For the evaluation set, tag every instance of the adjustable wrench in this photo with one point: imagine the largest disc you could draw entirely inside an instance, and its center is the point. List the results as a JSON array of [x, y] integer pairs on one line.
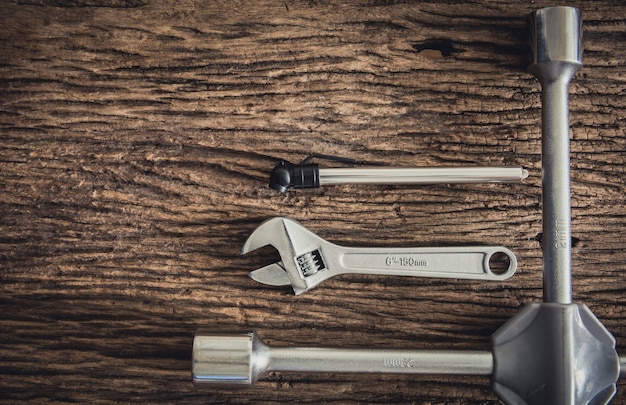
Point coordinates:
[[307, 259]]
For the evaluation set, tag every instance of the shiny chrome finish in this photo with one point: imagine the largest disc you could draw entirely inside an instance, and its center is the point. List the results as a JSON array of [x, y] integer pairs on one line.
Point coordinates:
[[556, 42], [242, 358], [423, 175], [307, 259], [553, 353]]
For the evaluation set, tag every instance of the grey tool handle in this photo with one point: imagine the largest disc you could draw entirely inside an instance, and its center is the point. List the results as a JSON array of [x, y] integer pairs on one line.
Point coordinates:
[[471, 262], [421, 175], [309, 175]]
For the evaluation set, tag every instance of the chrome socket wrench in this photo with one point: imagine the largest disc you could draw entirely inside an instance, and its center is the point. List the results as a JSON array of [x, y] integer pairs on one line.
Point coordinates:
[[241, 358]]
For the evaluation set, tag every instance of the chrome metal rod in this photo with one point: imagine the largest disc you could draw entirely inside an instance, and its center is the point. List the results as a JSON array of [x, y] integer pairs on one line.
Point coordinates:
[[423, 175], [380, 361], [557, 55]]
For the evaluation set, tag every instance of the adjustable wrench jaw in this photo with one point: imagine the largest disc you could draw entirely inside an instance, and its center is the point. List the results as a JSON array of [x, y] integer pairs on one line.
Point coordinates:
[[303, 263]]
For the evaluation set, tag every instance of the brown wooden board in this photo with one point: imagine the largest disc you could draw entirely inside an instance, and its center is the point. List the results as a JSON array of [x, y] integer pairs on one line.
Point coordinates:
[[136, 141]]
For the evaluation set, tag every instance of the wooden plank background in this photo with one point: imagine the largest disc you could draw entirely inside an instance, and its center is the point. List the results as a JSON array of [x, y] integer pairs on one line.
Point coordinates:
[[136, 141]]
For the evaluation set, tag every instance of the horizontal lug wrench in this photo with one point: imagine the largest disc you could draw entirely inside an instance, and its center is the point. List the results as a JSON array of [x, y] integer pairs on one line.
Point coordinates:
[[242, 358], [307, 259]]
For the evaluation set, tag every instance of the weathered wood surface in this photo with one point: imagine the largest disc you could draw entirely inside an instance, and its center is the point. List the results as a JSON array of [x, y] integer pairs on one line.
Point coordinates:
[[136, 142]]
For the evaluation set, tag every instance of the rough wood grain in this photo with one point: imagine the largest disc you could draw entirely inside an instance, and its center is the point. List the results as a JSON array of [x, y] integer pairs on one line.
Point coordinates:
[[136, 139]]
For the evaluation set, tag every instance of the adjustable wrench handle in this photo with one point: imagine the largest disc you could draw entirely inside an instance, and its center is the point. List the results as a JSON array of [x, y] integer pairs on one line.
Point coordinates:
[[471, 262]]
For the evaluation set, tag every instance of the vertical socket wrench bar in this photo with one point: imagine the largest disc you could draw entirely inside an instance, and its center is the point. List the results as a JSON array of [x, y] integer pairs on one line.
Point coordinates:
[[242, 358], [556, 42], [555, 352]]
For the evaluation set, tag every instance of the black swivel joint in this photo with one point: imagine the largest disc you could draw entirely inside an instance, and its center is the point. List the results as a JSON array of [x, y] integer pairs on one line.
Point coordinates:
[[286, 175]]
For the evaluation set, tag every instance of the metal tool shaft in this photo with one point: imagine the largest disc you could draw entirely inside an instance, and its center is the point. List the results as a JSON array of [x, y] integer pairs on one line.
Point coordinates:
[[306, 175], [557, 55], [421, 175], [380, 361], [463, 262], [557, 260], [242, 358]]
